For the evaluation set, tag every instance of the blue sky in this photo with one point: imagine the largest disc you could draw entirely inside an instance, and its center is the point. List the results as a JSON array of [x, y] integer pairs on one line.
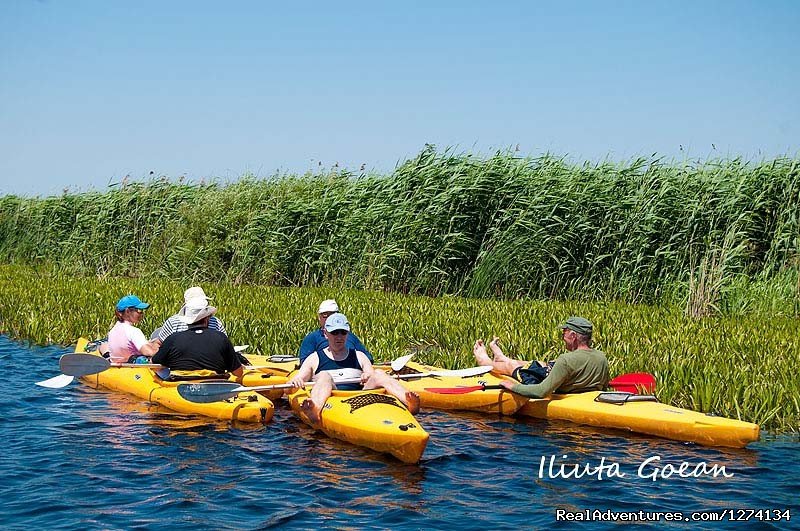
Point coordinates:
[[92, 91]]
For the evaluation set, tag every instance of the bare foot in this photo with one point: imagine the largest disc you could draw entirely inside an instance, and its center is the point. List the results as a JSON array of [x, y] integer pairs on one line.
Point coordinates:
[[412, 402], [479, 350], [310, 409], [498, 354]]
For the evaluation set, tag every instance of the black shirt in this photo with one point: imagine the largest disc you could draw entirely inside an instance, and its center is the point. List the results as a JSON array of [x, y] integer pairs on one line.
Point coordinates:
[[198, 349]]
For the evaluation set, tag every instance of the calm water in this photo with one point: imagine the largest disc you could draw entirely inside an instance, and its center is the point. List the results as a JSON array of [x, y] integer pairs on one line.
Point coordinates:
[[78, 458]]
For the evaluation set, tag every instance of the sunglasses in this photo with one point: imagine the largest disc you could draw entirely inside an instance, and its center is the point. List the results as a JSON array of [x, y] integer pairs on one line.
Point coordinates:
[[137, 310], [338, 332]]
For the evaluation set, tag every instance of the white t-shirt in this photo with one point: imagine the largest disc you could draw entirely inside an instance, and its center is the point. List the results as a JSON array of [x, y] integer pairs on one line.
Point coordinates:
[[125, 340]]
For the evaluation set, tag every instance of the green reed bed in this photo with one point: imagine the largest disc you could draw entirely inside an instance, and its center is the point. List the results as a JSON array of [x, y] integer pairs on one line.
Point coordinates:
[[700, 234], [737, 367]]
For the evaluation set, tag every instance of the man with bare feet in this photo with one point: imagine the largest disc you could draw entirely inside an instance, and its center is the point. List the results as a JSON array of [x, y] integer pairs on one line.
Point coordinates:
[[580, 369], [337, 361]]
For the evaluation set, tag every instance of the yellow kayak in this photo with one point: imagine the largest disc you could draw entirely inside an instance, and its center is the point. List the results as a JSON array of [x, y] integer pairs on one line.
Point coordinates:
[[145, 384], [498, 401], [373, 419], [267, 371], [651, 418]]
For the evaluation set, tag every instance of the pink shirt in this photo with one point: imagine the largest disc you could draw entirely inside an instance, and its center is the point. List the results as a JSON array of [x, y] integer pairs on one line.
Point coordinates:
[[125, 340]]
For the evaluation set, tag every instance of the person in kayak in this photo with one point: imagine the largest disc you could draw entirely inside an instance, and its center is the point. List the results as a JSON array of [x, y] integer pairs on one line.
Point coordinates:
[[316, 340], [126, 342], [199, 347], [175, 324], [580, 369], [339, 360]]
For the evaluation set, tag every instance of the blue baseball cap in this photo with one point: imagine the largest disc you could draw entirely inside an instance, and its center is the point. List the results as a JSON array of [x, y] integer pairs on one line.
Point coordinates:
[[337, 321], [131, 301]]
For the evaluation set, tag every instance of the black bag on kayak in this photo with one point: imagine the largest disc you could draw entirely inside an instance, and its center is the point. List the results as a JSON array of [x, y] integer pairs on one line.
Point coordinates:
[[533, 374]]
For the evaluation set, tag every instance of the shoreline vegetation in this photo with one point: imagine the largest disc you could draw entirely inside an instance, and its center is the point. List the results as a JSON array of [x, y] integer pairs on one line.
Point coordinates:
[[717, 236], [738, 367], [689, 271]]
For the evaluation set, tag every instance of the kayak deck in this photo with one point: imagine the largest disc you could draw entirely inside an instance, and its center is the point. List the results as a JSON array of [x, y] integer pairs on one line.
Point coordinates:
[[495, 401], [373, 419]]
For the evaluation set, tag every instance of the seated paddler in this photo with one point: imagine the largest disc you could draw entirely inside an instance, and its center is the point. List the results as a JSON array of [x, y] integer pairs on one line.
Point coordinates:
[[337, 362], [580, 369], [199, 348]]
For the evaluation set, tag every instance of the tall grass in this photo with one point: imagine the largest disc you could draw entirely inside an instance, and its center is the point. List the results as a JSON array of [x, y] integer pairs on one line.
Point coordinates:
[[737, 367], [701, 234]]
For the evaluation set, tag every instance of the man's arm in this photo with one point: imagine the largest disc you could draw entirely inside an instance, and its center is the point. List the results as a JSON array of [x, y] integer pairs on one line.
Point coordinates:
[[309, 345], [162, 355], [306, 371], [230, 355], [560, 373]]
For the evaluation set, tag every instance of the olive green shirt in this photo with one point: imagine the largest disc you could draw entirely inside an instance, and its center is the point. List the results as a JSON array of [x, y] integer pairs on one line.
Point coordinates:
[[574, 372]]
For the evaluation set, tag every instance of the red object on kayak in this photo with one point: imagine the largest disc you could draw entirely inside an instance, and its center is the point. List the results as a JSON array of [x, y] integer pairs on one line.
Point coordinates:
[[635, 382]]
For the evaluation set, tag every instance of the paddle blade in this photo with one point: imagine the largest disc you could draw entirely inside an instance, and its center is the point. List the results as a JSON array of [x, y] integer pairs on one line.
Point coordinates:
[[635, 382], [241, 348], [204, 393], [57, 382], [399, 363], [82, 364]]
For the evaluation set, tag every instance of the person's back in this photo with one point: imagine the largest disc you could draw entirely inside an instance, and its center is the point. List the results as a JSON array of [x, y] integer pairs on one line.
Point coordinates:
[[588, 371], [197, 349]]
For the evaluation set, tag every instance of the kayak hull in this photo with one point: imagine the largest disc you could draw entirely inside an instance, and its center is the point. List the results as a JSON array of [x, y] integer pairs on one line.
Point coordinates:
[[372, 419], [650, 418]]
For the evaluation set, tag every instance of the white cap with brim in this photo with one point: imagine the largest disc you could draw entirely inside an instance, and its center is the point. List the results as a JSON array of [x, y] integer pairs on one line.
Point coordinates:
[[196, 312], [193, 293], [337, 321], [328, 305]]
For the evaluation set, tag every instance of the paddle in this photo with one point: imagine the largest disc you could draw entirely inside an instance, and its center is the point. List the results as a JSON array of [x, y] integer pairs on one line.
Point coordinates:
[[79, 364], [462, 390], [82, 364], [622, 383], [57, 382], [204, 392], [398, 363]]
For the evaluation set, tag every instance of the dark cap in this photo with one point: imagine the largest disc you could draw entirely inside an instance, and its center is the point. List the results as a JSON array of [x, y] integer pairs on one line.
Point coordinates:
[[579, 325]]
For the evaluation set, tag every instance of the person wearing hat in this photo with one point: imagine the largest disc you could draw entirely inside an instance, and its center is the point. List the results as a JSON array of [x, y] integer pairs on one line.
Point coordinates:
[[580, 369], [338, 361], [198, 347], [125, 341], [316, 340], [174, 323]]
